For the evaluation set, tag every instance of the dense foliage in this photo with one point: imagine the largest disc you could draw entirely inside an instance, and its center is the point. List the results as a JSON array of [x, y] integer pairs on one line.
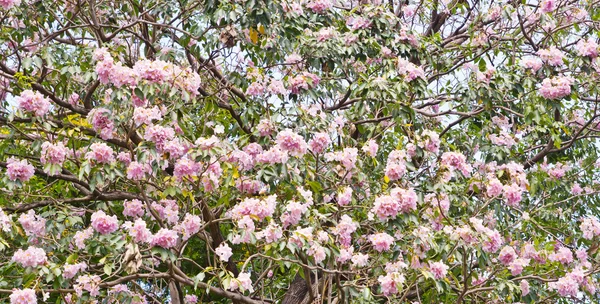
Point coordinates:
[[287, 151]]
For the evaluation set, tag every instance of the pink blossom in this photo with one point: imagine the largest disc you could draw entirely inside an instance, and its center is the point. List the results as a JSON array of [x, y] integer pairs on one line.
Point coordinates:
[[159, 135], [345, 255], [190, 225], [293, 213], [156, 71], [255, 89], [185, 168], [552, 56], [524, 287], [19, 169], [100, 119], [5, 221], [347, 157], [191, 299], [27, 295], [224, 252], [133, 208], [146, 115], [165, 238], [590, 227], [344, 196], [101, 153], [82, 235], [360, 260], [391, 283], [270, 234], [138, 231], [576, 189], [32, 257], [548, 6], [317, 252], [355, 23], [89, 283], [407, 199], [54, 154], [512, 194], [409, 70], [439, 269], [319, 143], [33, 102], [507, 255], [70, 270], [516, 266], [562, 255], [386, 207], [556, 87], [260, 209], [370, 148], [291, 142], [243, 283], [319, 6], [457, 161], [276, 87], [103, 223], [381, 241], [33, 224], [534, 63], [566, 286], [494, 188], [344, 229], [587, 48], [138, 171]]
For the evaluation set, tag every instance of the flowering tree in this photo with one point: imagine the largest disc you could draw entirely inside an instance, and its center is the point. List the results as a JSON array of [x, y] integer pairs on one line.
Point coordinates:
[[299, 151]]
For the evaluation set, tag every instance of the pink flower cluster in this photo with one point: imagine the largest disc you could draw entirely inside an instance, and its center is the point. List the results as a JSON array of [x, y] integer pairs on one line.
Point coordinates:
[[19, 170], [556, 87], [587, 48], [569, 284], [292, 143], [534, 63], [381, 241], [391, 283], [101, 153], [344, 196], [243, 283], [439, 269], [103, 223], [89, 283], [319, 143], [293, 213], [303, 81], [590, 227], [156, 71], [33, 224], [552, 56], [190, 225], [33, 102], [54, 154], [138, 171], [344, 230], [430, 141], [399, 200], [133, 208], [456, 161], [396, 165], [146, 116], [22, 296], [138, 231], [320, 6], [409, 70], [32, 257], [347, 157], [70, 270], [159, 135], [165, 238], [82, 235], [370, 148], [257, 208], [100, 120], [224, 252]]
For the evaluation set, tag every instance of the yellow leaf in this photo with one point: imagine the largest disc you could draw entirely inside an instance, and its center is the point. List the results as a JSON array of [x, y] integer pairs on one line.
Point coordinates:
[[261, 29], [253, 36], [78, 121], [386, 179]]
